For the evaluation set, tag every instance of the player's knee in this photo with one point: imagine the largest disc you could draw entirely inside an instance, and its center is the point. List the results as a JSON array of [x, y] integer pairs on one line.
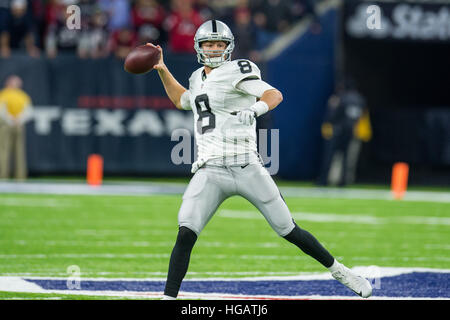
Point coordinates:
[[186, 237], [277, 214], [285, 229], [292, 235], [282, 225], [271, 197]]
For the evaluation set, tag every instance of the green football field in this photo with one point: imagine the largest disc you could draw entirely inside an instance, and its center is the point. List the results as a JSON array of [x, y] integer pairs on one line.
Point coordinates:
[[132, 236]]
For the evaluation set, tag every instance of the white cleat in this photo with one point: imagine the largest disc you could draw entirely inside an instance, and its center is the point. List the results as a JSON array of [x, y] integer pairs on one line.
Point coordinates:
[[354, 282], [168, 298]]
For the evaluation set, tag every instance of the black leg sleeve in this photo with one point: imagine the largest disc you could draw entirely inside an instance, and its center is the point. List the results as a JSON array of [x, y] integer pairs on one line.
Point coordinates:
[[309, 245], [179, 260]]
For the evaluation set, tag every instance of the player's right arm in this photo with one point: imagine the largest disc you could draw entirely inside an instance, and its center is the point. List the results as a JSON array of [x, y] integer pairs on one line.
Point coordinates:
[[175, 91]]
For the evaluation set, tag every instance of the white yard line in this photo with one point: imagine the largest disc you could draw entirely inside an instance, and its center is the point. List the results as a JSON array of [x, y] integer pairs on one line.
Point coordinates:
[[145, 256], [84, 189], [153, 188], [354, 193], [84, 255], [17, 284], [339, 218], [144, 244]]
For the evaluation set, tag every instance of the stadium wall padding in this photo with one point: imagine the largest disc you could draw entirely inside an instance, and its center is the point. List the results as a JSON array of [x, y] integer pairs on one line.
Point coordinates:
[[304, 73], [84, 106]]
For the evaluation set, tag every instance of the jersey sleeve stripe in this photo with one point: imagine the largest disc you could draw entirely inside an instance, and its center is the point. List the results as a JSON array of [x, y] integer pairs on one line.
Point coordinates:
[[250, 78]]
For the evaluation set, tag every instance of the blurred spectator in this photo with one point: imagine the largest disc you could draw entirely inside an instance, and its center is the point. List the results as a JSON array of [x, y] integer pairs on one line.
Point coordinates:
[[52, 11], [33, 24], [272, 15], [245, 35], [362, 133], [16, 28], [220, 9], [59, 38], [5, 50], [38, 12], [181, 25], [345, 109], [147, 12], [206, 11], [94, 39], [122, 42], [118, 13], [148, 33], [87, 9], [148, 17], [15, 110]]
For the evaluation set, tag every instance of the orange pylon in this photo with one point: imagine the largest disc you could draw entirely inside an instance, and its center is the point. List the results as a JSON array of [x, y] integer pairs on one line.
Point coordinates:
[[94, 170], [399, 182]]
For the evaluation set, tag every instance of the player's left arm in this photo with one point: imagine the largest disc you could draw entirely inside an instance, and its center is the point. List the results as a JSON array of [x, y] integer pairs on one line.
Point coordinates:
[[272, 97], [269, 98], [248, 81]]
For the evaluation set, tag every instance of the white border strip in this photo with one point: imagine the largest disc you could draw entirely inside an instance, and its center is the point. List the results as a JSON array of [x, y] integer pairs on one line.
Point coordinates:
[[18, 284], [155, 188]]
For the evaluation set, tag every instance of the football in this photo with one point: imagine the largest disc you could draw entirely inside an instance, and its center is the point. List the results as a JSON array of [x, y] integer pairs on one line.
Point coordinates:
[[142, 59]]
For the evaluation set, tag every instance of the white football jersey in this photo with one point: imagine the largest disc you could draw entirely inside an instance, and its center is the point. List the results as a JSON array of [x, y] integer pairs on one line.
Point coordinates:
[[213, 99]]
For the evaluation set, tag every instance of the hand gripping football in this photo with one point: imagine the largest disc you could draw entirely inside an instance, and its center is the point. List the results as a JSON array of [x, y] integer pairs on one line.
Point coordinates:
[[142, 59]]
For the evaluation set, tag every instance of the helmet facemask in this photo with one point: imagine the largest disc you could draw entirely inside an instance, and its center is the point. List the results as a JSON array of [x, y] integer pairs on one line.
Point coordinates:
[[218, 56]]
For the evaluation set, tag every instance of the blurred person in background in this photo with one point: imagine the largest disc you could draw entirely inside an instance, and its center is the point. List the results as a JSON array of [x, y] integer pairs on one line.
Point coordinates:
[[38, 13], [147, 17], [52, 11], [58, 37], [147, 33], [15, 110], [272, 15], [362, 133], [87, 10], [181, 25], [94, 39], [16, 28], [118, 11], [345, 109], [205, 9], [5, 50], [122, 42], [245, 35]]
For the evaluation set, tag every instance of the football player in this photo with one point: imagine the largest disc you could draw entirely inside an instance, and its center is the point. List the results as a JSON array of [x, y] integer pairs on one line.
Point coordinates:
[[226, 96]]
